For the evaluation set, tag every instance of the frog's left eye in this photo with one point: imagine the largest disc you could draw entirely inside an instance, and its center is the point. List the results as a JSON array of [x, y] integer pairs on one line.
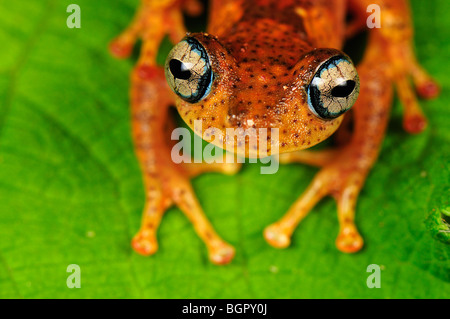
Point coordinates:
[[334, 88], [188, 70]]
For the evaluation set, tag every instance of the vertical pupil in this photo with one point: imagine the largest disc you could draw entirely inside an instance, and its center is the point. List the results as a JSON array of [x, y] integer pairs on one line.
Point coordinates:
[[344, 89], [179, 70]]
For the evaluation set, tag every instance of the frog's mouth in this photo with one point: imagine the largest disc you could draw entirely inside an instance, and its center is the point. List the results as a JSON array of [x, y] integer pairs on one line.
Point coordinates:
[[250, 134], [245, 142]]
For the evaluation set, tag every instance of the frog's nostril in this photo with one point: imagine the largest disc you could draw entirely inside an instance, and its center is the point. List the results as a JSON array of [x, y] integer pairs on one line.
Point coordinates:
[[344, 89]]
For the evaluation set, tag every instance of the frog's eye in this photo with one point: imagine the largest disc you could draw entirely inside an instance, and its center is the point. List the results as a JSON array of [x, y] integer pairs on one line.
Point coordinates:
[[334, 88], [188, 70]]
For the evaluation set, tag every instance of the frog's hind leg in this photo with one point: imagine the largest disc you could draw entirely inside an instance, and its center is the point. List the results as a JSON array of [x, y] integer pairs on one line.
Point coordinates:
[[394, 40], [152, 21], [343, 170], [122, 45]]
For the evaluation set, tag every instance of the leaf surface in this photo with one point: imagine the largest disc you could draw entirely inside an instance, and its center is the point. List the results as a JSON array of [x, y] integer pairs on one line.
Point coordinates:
[[71, 191]]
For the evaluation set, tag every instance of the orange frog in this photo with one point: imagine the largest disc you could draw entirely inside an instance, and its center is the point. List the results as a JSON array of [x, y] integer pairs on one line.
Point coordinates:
[[269, 64]]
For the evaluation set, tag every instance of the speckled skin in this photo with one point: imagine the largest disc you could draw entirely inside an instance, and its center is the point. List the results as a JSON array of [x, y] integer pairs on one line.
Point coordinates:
[[265, 53]]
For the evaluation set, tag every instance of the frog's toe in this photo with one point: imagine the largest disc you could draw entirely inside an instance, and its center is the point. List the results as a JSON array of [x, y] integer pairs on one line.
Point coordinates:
[[349, 240], [414, 121], [221, 253], [120, 49], [276, 236], [428, 89], [415, 124], [144, 244]]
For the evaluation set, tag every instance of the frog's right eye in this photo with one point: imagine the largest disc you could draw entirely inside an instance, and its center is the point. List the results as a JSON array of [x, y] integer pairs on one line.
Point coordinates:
[[188, 70]]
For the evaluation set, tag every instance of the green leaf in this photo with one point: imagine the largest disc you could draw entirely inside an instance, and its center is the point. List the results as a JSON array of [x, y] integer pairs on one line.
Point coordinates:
[[71, 190], [438, 224]]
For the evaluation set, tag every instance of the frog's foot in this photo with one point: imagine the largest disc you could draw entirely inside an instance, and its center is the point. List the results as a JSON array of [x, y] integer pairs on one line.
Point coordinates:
[[404, 67], [414, 121], [145, 242], [336, 180], [220, 252], [193, 7], [153, 20], [122, 46], [176, 189]]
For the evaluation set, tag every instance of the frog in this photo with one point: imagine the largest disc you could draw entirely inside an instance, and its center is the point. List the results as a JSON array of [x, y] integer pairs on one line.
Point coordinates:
[[270, 64]]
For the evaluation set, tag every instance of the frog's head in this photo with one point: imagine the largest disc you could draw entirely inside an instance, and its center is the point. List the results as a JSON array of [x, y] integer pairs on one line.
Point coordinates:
[[305, 101]]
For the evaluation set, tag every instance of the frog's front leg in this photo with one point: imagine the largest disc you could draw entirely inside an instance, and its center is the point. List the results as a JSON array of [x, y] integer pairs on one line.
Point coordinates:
[[166, 183], [389, 61], [343, 170]]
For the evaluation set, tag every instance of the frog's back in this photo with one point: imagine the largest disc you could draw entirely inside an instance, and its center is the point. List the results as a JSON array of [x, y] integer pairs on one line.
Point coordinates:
[[284, 26]]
